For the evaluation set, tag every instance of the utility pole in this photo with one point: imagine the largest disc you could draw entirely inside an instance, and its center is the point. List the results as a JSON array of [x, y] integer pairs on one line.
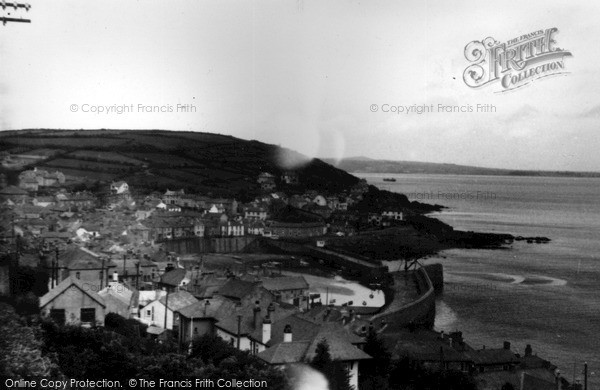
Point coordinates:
[[137, 276], [585, 376], [55, 268], [166, 306], [239, 330], [8, 18], [124, 267], [102, 275]]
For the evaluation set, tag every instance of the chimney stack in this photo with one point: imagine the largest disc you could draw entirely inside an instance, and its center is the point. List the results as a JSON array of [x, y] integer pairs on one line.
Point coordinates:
[[266, 330], [115, 276], [256, 314], [287, 334], [528, 350]]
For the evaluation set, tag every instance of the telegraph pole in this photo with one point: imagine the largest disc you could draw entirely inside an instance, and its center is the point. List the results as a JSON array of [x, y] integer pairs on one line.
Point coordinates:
[[15, 6]]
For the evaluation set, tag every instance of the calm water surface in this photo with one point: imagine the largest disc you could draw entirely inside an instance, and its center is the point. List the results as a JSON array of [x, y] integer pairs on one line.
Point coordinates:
[[546, 295]]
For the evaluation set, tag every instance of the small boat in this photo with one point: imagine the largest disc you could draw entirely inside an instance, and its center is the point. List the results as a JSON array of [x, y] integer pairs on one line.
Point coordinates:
[[389, 179]]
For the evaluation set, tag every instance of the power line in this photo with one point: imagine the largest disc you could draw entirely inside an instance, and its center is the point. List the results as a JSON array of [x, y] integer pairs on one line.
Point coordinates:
[[15, 6]]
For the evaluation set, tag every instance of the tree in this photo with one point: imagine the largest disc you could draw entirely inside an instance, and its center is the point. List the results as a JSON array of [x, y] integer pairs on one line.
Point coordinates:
[[336, 372], [508, 386], [374, 373], [20, 353], [322, 360]]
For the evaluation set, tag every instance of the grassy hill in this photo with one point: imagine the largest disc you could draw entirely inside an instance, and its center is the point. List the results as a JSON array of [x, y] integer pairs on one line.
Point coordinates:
[[148, 160]]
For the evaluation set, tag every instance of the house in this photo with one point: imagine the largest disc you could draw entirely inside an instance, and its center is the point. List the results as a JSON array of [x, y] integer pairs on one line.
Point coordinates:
[[297, 201], [532, 373], [43, 178], [374, 219], [119, 299], [430, 349], [293, 222], [135, 271], [161, 312], [172, 197], [255, 212], [140, 232], [199, 319], [320, 200], [324, 211], [30, 212], [255, 227], [73, 302], [81, 200], [288, 289], [494, 359], [266, 181], [290, 177], [43, 201], [232, 229], [294, 340], [396, 215], [15, 194], [119, 187], [174, 279], [80, 263], [264, 177]]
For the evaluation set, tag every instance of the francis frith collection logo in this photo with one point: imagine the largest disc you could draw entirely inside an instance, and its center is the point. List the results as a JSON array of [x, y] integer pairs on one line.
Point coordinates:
[[516, 62]]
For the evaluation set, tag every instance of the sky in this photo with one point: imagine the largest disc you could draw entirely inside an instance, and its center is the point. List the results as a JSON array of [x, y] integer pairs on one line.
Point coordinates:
[[319, 77]]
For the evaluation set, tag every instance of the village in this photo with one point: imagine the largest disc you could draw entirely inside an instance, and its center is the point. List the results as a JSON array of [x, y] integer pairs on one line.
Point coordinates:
[[185, 265]]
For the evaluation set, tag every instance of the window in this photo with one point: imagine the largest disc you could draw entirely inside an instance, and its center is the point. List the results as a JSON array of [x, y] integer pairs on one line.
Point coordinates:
[[232, 341], [195, 330], [58, 316], [78, 275], [88, 315], [148, 313]]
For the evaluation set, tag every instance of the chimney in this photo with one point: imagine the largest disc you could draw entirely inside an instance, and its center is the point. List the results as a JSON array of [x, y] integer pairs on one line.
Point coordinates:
[[256, 313], [507, 345], [206, 305], [266, 330], [528, 350], [287, 334], [270, 309], [115, 277]]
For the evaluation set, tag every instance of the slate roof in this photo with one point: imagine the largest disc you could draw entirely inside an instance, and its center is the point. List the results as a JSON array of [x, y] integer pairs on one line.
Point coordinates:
[[118, 291], [339, 347], [229, 310], [423, 345], [178, 300], [283, 283], [493, 356], [66, 284], [303, 329], [201, 310], [77, 257], [306, 335], [294, 215], [12, 190], [238, 289], [285, 353], [173, 277]]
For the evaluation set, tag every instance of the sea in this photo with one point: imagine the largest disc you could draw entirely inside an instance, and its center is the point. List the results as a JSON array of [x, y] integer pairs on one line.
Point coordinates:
[[545, 295]]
